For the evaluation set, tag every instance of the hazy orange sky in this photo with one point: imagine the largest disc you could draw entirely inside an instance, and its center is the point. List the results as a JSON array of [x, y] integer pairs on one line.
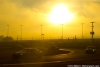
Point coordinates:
[[32, 13]]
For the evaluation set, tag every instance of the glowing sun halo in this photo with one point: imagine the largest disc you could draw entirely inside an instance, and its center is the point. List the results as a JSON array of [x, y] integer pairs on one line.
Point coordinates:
[[60, 15]]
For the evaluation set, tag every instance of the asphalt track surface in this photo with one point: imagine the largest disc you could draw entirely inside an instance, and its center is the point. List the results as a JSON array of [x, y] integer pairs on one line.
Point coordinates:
[[47, 58], [74, 55]]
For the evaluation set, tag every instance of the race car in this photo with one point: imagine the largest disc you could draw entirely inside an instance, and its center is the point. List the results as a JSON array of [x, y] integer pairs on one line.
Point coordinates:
[[32, 53], [90, 50]]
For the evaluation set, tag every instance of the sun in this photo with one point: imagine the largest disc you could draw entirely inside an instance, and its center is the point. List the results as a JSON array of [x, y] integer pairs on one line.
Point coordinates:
[[60, 14]]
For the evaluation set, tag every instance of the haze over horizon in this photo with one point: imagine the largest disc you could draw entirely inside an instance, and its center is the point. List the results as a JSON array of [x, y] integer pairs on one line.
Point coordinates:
[[32, 13]]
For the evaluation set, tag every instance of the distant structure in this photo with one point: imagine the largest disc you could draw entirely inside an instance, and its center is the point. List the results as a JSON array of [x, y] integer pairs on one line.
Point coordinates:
[[82, 30], [8, 31], [68, 39], [21, 31], [62, 30], [43, 36], [92, 33], [75, 38], [17, 38], [41, 31]]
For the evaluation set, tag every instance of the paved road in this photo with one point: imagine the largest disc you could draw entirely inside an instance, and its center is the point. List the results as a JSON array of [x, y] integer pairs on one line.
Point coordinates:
[[76, 54]]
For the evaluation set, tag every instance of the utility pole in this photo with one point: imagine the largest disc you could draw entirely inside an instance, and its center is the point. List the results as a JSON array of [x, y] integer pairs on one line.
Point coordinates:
[[92, 33], [41, 31], [8, 31], [82, 30], [21, 31]]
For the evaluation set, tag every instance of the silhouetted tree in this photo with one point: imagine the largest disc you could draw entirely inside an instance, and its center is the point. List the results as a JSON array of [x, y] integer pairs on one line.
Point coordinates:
[[7, 39], [1, 37]]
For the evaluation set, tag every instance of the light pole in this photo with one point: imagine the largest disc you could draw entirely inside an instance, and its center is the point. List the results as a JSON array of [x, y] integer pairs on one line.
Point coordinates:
[[21, 31], [92, 33], [8, 31], [17, 38], [62, 30], [43, 36], [82, 30], [41, 31]]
